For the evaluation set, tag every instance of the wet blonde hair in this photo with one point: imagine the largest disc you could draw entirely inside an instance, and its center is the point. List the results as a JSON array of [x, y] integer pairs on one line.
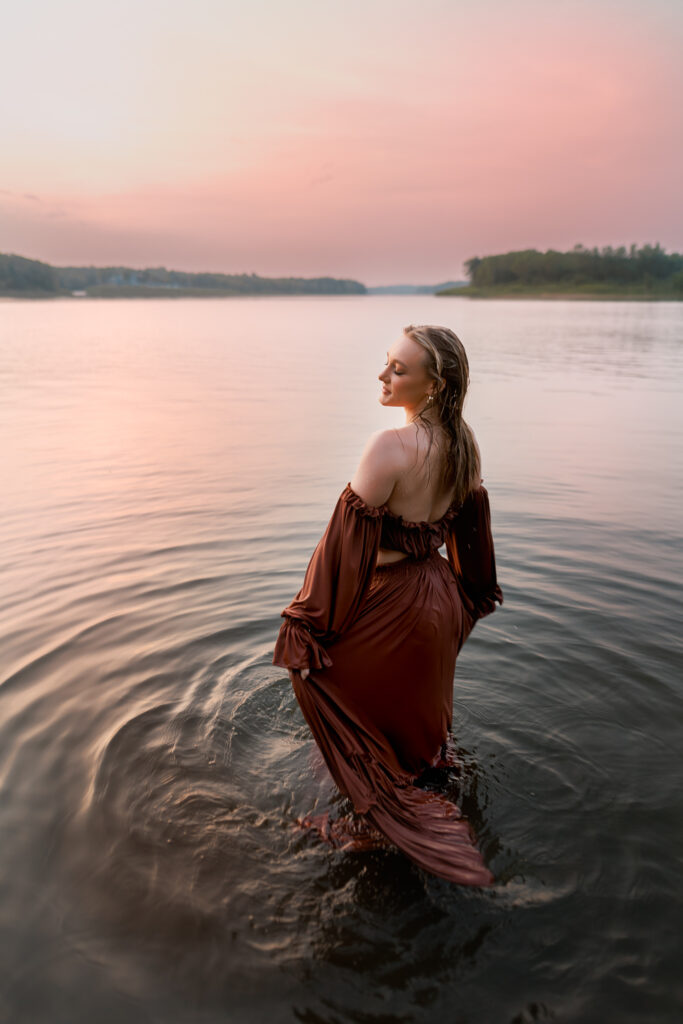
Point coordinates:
[[446, 363]]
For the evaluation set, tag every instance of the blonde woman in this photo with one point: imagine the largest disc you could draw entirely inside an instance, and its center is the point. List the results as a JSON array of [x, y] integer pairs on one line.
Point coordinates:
[[371, 639]]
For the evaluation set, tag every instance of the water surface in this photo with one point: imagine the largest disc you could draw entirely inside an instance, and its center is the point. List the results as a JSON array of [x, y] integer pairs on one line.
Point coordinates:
[[167, 470]]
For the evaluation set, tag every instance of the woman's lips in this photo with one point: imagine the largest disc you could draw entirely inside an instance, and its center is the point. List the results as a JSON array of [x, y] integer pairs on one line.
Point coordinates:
[[385, 391]]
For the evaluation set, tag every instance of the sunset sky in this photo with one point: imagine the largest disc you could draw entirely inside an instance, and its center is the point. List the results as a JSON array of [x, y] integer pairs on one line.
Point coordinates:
[[381, 140]]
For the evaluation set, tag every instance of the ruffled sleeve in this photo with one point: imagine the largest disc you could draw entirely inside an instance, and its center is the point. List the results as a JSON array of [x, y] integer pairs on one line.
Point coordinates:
[[469, 544], [335, 585]]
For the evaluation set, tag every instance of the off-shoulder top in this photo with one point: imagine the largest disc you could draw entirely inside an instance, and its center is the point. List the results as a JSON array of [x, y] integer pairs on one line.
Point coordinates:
[[416, 539], [341, 568]]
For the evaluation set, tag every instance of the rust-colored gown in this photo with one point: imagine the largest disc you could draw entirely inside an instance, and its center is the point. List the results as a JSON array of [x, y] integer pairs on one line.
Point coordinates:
[[381, 643]]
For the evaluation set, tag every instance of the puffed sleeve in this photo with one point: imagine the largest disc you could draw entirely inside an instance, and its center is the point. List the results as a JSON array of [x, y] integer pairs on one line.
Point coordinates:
[[469, 544], [335, 585]]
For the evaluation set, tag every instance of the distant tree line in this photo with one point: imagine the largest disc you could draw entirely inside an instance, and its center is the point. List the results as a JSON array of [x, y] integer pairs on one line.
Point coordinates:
[[645, 266], [20, 275]]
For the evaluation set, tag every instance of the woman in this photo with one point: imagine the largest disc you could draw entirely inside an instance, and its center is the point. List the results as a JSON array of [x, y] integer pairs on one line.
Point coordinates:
[[370, 641]]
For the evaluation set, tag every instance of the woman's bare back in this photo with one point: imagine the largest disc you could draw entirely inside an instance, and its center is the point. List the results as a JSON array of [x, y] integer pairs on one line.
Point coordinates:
[[418, 494], [400, 470]]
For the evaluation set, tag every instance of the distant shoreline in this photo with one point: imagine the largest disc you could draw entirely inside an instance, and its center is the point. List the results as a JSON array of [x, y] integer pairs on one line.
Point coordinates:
[[464, 293], [592, 294], [647, 274], [33, 279], [175, 293]]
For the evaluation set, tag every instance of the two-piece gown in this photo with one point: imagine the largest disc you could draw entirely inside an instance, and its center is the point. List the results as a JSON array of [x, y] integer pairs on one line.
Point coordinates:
[[381, 644]]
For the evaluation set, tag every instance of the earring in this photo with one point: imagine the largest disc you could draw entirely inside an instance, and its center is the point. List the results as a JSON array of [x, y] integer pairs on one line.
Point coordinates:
[[430, 398]]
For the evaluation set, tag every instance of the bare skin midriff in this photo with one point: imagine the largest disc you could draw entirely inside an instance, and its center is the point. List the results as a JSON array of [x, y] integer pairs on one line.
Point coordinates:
[[385, 556]]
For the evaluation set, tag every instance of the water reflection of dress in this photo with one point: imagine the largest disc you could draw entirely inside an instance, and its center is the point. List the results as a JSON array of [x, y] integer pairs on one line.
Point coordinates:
[[381, 644]]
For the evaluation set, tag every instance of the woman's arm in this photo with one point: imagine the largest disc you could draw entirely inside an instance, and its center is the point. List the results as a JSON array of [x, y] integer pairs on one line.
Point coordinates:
[[373, 481], [478, 482], [471, 555], [335, 585]]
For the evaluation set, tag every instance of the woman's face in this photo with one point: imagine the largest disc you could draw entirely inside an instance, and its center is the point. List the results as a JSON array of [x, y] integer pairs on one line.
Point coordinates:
[[404, 378]]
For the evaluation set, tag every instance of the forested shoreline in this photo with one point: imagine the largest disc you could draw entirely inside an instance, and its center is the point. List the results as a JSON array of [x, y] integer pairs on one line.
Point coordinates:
[[22, 277], [648, 272]]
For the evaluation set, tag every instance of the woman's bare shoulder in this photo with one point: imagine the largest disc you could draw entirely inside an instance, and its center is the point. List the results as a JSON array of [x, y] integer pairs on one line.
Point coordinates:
[[384, 444], [379, 467]]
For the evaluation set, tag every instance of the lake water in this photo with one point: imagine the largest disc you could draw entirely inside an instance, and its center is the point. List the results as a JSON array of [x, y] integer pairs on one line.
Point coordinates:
[[167, 469]]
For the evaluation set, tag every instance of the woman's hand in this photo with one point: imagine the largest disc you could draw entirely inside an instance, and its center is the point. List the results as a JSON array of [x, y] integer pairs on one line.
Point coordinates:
[[294, 672]]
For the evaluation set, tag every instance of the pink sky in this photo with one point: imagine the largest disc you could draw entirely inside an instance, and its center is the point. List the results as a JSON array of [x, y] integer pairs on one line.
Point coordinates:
[[385, 141]]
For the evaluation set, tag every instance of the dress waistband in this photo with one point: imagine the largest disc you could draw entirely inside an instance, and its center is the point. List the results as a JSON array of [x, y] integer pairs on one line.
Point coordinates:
[[407, 563]]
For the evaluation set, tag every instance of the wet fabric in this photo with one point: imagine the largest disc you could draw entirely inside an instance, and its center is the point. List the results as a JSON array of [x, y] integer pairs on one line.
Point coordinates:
[[381, 644]]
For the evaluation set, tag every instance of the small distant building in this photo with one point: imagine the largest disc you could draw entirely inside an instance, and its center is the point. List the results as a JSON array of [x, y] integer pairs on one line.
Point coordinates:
[[79, 293]]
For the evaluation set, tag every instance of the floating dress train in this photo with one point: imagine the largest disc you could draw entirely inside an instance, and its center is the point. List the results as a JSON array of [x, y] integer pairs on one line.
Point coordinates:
[[381, 644]]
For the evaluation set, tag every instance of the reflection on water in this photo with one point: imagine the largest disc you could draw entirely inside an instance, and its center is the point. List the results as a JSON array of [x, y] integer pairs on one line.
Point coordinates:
[[168, 468]]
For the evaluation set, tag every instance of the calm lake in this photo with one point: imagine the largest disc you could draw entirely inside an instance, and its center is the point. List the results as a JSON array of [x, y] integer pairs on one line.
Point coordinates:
[[167, 469]]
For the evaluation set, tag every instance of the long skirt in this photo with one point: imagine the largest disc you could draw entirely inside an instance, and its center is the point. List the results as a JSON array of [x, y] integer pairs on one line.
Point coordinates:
[[381, 714]]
